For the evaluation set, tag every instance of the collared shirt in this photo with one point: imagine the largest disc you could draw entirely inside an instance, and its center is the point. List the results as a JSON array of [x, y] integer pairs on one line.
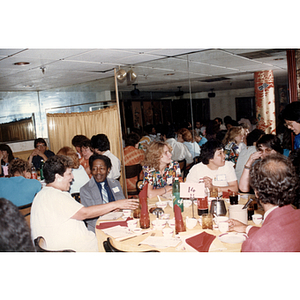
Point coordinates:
[[109, 193]]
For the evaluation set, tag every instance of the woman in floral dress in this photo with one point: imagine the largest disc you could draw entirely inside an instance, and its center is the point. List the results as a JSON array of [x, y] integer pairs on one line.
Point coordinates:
[[159, 169]]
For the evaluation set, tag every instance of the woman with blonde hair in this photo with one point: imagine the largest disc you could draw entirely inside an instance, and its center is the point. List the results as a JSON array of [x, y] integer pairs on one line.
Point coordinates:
[[159, 169], [234, 136], [80, 175]]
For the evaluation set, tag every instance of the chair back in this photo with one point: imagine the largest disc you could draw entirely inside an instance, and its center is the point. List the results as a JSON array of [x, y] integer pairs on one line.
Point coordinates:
[[40, 246], [25, 210], [182, 165], [131, 172]]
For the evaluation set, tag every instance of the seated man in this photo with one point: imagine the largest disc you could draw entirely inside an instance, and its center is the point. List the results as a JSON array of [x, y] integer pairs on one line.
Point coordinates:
[[101, 145], [39, 153], [57, 217], [213, 168], [102, 190], [275, 183], [19, 188]]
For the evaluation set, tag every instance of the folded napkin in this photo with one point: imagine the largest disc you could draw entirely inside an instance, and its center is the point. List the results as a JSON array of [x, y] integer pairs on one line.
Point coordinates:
[[112, 224], [201, 242]]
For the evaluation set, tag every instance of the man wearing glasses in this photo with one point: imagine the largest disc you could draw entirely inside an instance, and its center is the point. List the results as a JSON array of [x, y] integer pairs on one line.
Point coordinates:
[[39, 153]]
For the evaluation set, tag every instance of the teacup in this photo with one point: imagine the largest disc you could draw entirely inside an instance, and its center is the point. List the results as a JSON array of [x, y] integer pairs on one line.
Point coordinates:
[[126, 213], [159, 224], [170, 202], [223, 226], [165, 216], [171, 223], [131, 224], [187, 203], [190, 222], [168, 232], [257, 218], [161, 204], [219, 219]]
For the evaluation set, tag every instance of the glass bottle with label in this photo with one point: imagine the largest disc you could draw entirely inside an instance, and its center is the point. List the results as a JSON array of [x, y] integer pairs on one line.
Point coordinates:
[[41, 170], [202, 201], [33, 172], [176, 194]]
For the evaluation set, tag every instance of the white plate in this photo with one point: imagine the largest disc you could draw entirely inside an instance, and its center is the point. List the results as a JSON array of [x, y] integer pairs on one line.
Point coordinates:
[[232, 237]]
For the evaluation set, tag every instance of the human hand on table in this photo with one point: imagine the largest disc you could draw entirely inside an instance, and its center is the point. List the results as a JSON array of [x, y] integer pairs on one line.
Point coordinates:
[[207, 181], [235, 225]]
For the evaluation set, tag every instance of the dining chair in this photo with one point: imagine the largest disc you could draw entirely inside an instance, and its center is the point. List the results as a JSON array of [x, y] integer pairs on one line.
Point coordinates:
[[131, 172], [76, 196], [25, 210], [40, 245], [109, 247], [182, 165]]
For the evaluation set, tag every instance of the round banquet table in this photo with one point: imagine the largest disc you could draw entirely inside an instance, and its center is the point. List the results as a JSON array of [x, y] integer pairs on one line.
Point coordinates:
[[132, 244]]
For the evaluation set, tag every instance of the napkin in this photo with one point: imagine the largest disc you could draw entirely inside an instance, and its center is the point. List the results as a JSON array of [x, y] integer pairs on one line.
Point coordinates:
[[201, 242], [177, 213], [112, 224]]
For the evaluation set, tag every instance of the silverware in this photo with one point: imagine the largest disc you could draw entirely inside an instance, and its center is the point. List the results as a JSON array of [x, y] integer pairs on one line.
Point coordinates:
[[247, 204]]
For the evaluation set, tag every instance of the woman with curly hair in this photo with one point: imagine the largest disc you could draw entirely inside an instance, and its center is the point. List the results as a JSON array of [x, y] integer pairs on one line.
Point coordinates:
[[6, 156], [159, 169], [15, 233], [233, 138]]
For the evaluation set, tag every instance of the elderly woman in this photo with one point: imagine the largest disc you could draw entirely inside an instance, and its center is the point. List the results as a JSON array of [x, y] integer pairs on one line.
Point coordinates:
[[6, 156], [213, 168], [104, 191], [233, 138], [79, 173], [185, 136], [266, 145], [19, 188], [159, 169]]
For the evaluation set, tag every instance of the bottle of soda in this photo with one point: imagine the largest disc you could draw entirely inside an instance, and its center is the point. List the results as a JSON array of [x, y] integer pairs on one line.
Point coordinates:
[[41, 170], [202, 202], [176, 194], [33, 172]]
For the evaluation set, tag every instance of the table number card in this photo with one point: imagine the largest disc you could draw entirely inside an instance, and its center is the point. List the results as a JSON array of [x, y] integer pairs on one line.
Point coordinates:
[[191, 190]]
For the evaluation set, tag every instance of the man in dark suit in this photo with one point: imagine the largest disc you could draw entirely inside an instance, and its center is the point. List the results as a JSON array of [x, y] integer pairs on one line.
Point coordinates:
[[103, 190], [275, 183]]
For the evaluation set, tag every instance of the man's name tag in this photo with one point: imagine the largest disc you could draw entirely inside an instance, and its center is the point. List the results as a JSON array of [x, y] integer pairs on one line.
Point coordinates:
[[191, 190], [115, 189]]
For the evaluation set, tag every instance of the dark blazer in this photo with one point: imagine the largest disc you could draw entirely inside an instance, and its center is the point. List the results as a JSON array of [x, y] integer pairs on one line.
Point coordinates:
[[90, 195], [278, 233]]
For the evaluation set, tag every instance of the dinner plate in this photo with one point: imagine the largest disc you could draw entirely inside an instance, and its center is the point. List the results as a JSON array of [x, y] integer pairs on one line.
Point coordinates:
[[232, 237]]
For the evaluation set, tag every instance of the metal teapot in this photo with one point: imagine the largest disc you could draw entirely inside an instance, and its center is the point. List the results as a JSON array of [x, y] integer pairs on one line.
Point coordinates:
[[218, 208]]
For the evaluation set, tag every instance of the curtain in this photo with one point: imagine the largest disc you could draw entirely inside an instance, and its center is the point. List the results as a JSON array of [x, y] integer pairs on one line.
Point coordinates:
[[265, 101], [63, 127]]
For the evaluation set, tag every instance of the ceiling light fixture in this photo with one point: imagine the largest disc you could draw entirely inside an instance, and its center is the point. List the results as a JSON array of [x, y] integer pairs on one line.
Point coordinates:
[[131, 77], [22, 63], [121, 74]]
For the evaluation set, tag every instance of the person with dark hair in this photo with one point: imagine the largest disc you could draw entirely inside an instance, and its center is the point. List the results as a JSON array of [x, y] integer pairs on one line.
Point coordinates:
[[6, 157], [39, 153], [15, 233], [245, 153], [291, 115], [101, 145], [19, 188], [86, 151], [132, 156], [185, 136], [213, 168], [103, 190], [77, 143], [57, 217], [267, 144], [275, 184]]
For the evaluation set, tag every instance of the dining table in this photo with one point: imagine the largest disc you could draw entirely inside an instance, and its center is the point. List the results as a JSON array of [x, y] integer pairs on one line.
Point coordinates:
[[136, 242]]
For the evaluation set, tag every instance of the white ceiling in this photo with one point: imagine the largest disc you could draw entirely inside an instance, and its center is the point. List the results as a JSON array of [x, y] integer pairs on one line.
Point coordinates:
[[156, 69]]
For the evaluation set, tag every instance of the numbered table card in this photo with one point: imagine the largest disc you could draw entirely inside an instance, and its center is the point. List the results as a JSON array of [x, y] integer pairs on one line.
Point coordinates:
[[191, 190]]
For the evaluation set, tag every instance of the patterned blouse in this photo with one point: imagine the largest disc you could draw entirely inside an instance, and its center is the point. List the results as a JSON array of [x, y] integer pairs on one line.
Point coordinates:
[[232, 152], [157, 181]]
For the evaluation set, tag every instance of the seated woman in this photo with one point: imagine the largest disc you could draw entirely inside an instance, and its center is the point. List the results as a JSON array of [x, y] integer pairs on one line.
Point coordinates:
[[185, 136], [213, 168], [86, 151], [15, 235], [19, 188], [233, 138], [102, 190], [159, 169], [266, 145], [79, 173], [57, 217], [6, 157]]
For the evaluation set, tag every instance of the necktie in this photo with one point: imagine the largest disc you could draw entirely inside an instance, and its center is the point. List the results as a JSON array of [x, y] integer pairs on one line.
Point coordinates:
[[104, 193]]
